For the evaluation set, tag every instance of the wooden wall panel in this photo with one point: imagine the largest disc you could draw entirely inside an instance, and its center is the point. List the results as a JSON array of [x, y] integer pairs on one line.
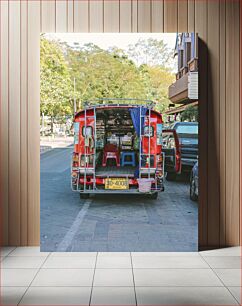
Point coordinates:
[[213, 132], [182, 15], [144, 16], [81, 16], [48, 16], [232, 122], [125, 16], [111, 16], [171, 15], [23, 123], [33, 50], [157, 13], [222, 121], [96, 16], [4, 144], [134, 16], [61, 16], [240, 145], [201, 28], [218, 26], [191, 15], [70, 16], [14, 121]]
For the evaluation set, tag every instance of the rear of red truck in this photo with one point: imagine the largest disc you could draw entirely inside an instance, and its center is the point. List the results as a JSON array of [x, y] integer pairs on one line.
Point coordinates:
[[118, 149]]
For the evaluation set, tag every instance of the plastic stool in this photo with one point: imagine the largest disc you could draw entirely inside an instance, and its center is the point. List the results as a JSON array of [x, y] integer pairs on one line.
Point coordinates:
[[110, 155], [125, 162], [110, 152]]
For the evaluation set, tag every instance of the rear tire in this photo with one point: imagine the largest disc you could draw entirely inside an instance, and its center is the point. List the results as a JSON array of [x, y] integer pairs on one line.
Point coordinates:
[[153, 196], [171, 176], [193, 195], [84, 196]]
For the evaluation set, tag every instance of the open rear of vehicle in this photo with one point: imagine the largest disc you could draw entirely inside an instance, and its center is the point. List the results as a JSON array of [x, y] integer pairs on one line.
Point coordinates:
[[118, 148]]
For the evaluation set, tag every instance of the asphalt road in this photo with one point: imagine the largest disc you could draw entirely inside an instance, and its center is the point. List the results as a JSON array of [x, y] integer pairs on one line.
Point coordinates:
[[112, 223]]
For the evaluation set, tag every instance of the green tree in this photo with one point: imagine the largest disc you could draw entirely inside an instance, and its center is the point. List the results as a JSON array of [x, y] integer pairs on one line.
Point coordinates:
[[55, 82], [99, 73], [190, 114], [157, 80], [152, 52]]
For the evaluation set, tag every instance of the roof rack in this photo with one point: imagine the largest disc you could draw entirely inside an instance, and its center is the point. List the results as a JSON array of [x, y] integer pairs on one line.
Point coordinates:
[[118, 102]]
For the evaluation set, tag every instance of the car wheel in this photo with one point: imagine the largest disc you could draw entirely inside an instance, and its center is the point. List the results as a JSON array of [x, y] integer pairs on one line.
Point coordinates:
[[84, 195], [193, 195], [171, 176], [153, 196]]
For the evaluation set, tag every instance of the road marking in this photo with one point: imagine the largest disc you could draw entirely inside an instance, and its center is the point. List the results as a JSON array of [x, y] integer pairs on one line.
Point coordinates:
[[67, 240]]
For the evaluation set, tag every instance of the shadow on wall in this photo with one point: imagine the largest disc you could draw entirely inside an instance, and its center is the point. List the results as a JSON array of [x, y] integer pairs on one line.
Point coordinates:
[[209, 124]]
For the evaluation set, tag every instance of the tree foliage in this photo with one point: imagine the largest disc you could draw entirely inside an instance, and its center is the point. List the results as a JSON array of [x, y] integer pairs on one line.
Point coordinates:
[[112, 73], [151, 52], [55, 80], [190, 114]]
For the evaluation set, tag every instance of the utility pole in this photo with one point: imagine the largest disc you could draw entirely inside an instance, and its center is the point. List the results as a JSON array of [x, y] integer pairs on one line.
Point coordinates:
[[43, 124], [74, 96]]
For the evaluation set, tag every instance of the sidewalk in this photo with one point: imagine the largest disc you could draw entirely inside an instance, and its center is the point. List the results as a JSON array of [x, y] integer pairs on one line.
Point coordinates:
[[48, 143]]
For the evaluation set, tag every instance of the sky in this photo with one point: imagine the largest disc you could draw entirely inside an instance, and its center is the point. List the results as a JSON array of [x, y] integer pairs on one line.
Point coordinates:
[[106, 40]]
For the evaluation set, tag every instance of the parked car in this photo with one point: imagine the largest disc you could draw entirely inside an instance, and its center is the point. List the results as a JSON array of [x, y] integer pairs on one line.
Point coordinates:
[[172, 150], [194, 183], [188, 138]]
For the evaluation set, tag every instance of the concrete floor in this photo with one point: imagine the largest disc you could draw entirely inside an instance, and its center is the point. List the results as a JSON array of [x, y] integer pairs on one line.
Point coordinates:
[[31, 277], [112, 222]]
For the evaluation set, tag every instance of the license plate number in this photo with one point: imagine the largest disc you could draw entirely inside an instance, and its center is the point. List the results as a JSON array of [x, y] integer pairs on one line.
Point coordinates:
[[116, 183]]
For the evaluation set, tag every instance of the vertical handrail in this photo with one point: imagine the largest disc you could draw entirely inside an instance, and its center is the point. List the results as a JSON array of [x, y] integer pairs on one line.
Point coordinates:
[[94, 156], [85, 152], [140, 142], [149, 144]]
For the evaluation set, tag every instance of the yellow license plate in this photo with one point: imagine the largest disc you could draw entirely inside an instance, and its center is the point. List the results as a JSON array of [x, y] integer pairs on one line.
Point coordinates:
[[116, 183]]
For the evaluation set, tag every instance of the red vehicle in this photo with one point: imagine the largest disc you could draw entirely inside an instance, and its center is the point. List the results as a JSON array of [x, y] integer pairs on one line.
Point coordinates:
[[118, 148]]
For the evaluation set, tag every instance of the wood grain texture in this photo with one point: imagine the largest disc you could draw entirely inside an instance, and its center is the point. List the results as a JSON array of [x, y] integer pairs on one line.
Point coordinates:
[[14, 121], [213, 132], [157, 13], [81, 16], [182, 15], [4, 137], [61, 16], [219, 104], [240, 124], [201, 28], [222, 128], [232, 122], [191, 15], [96, 16], [134, 5], [111, 16], [33, 49], [144, 16], [125, 16], [70, 15], [23, 124], [48, 16], [171, 15]]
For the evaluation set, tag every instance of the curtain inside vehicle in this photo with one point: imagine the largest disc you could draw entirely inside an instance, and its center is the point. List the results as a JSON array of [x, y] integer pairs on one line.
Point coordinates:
[[135, 115]]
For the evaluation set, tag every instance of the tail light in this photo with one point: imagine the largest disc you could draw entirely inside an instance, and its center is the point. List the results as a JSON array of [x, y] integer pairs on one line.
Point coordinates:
[[75, 160], [74, 174], [159, 159], [178, 163]]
